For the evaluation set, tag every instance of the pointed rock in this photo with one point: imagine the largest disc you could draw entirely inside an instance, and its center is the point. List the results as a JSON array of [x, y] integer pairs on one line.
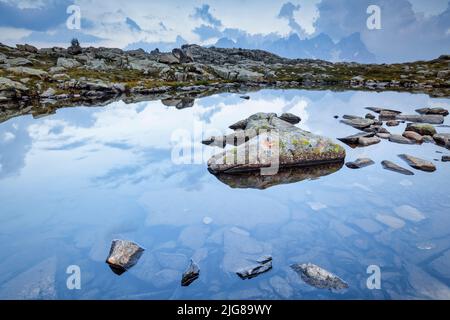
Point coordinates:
[[123, 255], [191, 274], [388, 165], [353, 140]]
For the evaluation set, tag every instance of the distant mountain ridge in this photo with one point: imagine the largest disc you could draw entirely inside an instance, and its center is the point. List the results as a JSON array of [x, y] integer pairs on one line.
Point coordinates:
[[348, 49]]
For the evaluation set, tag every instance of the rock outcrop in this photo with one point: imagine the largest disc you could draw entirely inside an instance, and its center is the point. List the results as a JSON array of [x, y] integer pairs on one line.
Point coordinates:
[[267, 142], [123, 255]]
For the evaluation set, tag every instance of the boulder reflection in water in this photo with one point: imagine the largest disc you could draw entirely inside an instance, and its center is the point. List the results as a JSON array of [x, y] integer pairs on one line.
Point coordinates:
[[254, 179]]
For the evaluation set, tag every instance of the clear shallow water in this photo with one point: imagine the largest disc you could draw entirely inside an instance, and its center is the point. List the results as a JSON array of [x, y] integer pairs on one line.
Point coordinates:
[[73, 181]]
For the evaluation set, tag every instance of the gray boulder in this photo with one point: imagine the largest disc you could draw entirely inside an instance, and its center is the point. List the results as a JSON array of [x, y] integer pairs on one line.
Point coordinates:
[[123, 255], [67, 63], [318, 277], [275, 142]]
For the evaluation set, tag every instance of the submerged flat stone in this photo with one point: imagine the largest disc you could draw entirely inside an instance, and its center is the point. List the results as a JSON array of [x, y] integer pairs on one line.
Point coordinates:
[[360, 163], [123, 255], [275, 143], [389, 165], [418, 163], [318, 277], [263, 265], [191, 274]]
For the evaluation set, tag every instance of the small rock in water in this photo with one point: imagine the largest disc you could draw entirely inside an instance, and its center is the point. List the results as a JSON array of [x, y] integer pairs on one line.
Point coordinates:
[[418, 163], [421, 128], [364, 142], [360, 163], [388, 114], [392, 123], [291, 118], [353, 140], [245, 97], [370, 116], [388, 165], [264, 265], [414, 136], [358, 123], [440, 111], [336, 117], [445, 158], [400, 139], [383, 135], [191, 274], [428, 139], [427, 118], [442, 139], [318, 277], [123, 255], [379, 110], [240, 125]]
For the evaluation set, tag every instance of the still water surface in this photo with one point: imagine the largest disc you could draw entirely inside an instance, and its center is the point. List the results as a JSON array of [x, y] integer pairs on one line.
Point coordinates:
[[73, 181]]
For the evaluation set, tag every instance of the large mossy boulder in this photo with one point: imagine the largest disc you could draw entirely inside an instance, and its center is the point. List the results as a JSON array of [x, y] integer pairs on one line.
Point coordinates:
[[270, 142]]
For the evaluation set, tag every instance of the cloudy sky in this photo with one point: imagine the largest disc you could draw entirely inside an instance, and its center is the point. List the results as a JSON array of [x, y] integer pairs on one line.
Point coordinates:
[[410, 29]]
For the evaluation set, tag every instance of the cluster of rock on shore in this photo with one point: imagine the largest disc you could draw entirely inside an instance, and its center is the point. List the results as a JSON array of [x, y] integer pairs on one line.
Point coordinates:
[[125, 254], [60, 77], [419, 129]]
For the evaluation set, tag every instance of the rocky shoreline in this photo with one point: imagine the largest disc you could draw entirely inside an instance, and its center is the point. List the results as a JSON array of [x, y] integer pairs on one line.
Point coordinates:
[[39, 81]]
